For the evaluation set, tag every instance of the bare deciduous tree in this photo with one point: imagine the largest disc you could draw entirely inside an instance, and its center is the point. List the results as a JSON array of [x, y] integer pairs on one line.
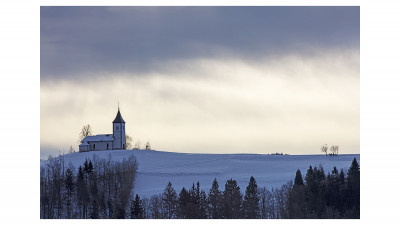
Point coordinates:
[[324, 148], [106, 188], [137, 145], [334, 149], [128, 140], [86, 131]]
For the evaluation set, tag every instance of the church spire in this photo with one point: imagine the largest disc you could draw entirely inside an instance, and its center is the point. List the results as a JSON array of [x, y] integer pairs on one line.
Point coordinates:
[[118, 118]]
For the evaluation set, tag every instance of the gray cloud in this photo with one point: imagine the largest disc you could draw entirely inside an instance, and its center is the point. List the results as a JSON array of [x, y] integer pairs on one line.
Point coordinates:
[[203, 79], [97, 40]]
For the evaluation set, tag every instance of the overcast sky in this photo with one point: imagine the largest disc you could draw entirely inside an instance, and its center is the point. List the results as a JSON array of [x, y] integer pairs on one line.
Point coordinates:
[[203, 79]]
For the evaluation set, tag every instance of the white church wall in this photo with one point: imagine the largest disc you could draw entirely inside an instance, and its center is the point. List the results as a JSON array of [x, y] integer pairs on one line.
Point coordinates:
[[84, 148], [101, 145]]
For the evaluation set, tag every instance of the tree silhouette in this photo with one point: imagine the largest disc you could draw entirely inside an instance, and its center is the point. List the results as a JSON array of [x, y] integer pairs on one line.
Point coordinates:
[[86, 131]]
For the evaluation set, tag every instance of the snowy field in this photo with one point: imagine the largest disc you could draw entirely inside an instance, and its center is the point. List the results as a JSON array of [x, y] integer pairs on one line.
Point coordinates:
[[156, 168]]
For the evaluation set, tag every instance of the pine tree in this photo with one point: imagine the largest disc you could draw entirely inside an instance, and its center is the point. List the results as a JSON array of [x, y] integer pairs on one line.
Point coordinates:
[[169, 200], [341, 177], [309, 176], [298, 180], [90, 167], [86, 166], [81, 192], [203, 205], [315, 196], [182, 206], [333, 191], [215, 201], [137, 211], [250, 203], [232, 200], [69, 186], [353, 189], [297, 199], [193, 205], [335, 171], [354, 170]]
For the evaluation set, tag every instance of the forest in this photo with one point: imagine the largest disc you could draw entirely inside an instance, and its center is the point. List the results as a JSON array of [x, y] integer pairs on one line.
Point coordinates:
[[101, 188]]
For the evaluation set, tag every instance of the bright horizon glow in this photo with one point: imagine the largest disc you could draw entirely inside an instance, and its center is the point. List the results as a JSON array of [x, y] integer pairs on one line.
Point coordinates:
[[292, 104]]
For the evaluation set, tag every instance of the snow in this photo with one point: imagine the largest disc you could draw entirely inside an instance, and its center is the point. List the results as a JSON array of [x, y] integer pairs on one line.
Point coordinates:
[[156, 168], [100, 137]]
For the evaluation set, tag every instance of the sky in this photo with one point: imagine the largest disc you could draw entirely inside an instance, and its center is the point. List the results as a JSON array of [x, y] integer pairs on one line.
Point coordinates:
[[203, 79]]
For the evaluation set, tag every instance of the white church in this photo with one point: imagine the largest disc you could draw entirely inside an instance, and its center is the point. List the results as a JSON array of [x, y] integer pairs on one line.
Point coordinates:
[[114, 141]]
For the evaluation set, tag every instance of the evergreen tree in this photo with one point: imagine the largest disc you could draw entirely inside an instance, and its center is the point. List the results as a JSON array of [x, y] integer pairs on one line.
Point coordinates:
[[169, 200], [335, 171], [81, 192], [193, 205], [90, 167], [250, 203], [215, 201], [354, 170], [86, 166], [203, 205], [309, 175], [341, 177], [315, 196], [197, 192], [182, 207], [297, 199], [298, 180], [137, 211], [69, 187], [334, 196], [232, 200], [353, 189]]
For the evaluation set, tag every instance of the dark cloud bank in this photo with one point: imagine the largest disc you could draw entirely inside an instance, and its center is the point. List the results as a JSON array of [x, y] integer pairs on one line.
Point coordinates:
[[95, 40]]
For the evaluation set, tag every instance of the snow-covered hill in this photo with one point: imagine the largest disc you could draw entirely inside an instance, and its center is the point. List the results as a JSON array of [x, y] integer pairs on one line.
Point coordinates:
[[156, 168]]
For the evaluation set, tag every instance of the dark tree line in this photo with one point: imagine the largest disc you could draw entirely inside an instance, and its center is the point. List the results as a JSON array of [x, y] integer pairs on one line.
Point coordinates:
[[326, 196], [100, 188], [194, 203], [317, 195]]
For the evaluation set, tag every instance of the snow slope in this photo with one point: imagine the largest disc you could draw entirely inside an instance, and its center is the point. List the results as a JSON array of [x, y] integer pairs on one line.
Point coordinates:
[[156, 168]]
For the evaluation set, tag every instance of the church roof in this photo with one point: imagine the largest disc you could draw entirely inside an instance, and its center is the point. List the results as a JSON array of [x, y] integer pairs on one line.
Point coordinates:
[[100, 137], [118, 118]]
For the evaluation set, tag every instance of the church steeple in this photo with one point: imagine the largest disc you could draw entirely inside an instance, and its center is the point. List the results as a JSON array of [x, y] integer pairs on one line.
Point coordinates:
[[119, 132], [118, 118]]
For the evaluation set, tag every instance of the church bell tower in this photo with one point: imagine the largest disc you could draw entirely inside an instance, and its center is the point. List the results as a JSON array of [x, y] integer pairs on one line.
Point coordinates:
[[119, 132]]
